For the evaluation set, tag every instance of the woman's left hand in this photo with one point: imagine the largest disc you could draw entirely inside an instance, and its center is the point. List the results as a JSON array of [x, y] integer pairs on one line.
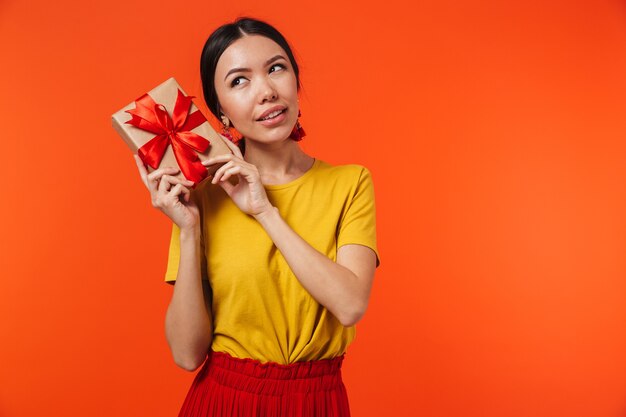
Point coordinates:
[[249, 194]]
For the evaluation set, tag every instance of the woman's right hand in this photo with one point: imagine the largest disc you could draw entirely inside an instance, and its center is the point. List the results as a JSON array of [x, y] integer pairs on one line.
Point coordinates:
[[165, 192]]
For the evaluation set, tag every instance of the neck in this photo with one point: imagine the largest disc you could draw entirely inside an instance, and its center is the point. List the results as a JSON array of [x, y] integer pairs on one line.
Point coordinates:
[[278, 162]]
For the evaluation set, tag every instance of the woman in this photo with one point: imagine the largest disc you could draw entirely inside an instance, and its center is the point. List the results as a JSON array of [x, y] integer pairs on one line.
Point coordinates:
[[274, 267]]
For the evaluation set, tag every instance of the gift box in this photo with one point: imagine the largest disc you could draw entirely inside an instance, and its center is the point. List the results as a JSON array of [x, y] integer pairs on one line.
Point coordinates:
[[165, 128]]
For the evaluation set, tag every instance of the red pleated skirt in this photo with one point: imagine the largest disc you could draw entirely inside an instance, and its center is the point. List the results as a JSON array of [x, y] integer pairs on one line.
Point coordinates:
[[233, 387]]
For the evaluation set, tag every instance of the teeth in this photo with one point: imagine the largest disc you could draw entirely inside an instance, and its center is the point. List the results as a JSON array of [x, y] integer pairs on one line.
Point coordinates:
[[272, 115]]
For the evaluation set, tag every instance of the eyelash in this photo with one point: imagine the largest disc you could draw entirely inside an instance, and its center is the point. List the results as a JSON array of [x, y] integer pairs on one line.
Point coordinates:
[[233, 84]]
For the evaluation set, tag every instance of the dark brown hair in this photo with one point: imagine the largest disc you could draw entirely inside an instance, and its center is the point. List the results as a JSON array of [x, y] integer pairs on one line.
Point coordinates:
[[221, 39]]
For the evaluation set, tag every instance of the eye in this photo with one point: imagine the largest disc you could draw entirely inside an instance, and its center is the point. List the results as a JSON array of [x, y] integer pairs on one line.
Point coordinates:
[[277, 65], [235, 82]]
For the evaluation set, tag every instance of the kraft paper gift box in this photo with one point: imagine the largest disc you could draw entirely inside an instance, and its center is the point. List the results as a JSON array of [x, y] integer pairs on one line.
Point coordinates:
[[166, 129]]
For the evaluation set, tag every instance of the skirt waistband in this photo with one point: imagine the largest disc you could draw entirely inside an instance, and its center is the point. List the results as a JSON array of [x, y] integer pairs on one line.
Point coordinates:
[[272, 378]]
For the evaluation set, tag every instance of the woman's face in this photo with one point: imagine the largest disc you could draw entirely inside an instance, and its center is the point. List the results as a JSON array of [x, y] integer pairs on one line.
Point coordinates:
[[254, 76]]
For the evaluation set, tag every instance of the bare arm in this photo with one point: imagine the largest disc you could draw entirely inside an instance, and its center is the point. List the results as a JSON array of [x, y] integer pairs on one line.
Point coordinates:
[[343, 287], [188, 321]]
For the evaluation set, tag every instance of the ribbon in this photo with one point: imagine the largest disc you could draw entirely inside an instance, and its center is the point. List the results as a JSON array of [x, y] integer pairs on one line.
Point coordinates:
[[172, 130]]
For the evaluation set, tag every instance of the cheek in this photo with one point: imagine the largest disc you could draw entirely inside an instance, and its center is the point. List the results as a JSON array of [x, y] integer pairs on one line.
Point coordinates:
[[233, 103]]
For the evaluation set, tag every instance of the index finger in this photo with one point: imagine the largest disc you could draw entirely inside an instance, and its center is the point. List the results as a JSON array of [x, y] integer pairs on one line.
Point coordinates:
[[142, 169], [234, 148], [218, 159]]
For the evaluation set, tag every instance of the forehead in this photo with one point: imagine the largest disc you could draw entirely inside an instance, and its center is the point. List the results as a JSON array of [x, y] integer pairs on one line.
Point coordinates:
[[249, 51]]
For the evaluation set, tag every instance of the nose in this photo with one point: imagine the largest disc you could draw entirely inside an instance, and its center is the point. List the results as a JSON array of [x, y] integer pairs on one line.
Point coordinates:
[[267, 91]]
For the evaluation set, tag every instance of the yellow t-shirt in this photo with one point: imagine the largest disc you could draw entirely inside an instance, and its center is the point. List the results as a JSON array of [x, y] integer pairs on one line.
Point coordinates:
[[260, 309]]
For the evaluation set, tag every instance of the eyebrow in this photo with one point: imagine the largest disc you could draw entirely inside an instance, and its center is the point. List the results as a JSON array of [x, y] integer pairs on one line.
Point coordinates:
[[269, 61]]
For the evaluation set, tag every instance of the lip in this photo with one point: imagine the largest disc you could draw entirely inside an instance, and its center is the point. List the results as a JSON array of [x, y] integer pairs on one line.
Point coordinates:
[[275, 121], [273, 109]]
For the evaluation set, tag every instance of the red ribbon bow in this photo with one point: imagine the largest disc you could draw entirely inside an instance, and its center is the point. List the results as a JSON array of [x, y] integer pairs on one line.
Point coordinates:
[[175, 130]]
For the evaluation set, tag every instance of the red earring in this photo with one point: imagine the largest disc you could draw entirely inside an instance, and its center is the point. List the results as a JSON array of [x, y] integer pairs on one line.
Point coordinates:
[[298, 132], [226, 133], [227, 130]]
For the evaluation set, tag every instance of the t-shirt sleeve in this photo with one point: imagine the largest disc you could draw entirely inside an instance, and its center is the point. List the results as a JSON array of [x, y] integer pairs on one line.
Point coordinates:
[[358, 224], [173, 258]]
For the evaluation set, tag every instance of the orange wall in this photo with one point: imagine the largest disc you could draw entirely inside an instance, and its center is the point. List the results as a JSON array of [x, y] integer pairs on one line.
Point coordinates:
[[496, 134]]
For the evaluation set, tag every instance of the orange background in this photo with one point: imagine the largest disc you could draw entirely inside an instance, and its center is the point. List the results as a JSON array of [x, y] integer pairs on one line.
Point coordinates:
[[495, 132]]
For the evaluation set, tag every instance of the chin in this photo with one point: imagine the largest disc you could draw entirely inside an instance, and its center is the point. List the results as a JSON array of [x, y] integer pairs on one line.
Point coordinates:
[[277, 135]]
